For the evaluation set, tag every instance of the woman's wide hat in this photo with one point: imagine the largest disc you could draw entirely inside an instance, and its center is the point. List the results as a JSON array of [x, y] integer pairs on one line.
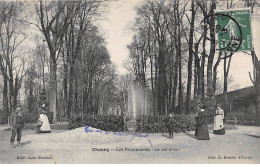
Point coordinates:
[[43, 105], [17, 105]]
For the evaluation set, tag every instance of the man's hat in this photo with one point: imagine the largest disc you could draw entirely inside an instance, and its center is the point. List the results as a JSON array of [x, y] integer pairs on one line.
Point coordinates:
[[218, 105]]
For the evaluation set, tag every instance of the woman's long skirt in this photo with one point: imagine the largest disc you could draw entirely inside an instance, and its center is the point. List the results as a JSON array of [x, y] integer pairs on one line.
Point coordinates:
[[218, 125], [196, 130], [203, 132], [45, 128]]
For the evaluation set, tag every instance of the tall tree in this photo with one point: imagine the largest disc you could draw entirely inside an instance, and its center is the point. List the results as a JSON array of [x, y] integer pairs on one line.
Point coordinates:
[[53, 26], [211, 23], [190, 60], [11, 51]]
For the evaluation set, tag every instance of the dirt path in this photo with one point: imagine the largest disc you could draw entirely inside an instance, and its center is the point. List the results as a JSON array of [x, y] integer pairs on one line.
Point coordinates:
[[77, 146]]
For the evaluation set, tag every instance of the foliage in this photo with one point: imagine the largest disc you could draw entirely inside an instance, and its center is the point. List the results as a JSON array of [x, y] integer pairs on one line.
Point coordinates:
[[210, 115], [157, 124], [31, 117], [210, 101], [144, 124], [243, 101], [112, 123]]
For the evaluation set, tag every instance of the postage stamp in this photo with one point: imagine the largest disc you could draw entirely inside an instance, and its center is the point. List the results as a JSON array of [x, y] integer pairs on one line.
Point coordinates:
[[129, 82]]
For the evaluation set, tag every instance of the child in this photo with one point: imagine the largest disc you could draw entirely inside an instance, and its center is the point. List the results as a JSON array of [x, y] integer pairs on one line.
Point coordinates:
[[170, 124], [17, 124]]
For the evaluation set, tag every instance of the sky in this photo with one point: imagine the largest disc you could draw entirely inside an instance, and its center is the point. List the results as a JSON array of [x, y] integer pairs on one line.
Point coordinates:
[[116, 30], [122, 13]]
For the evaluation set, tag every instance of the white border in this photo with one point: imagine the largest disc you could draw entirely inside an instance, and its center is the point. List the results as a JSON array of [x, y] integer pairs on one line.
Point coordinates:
[[236, 9]]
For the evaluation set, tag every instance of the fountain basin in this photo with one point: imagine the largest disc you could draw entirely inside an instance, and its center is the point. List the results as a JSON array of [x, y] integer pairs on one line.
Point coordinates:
[[131, 125]]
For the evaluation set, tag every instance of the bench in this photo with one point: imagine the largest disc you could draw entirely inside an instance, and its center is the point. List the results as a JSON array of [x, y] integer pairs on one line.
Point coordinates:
[[231, 120]]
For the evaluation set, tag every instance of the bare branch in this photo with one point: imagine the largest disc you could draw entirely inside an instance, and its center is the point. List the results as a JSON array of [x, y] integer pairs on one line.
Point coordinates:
[[250, 76]]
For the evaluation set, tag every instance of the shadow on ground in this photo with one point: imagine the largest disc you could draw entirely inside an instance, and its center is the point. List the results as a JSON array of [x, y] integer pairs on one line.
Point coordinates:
[[26, 142], [253, 136], [190, 135], [166, 136]]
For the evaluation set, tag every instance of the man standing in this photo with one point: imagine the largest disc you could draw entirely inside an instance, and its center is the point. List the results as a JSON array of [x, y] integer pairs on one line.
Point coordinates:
[[17, 124]]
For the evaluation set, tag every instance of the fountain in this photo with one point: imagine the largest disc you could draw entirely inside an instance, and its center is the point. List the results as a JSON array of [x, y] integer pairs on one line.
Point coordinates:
[[131, 125], [134, 102]]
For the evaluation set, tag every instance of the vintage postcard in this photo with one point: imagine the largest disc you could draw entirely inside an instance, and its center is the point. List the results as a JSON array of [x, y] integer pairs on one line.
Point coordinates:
[[129, 81]]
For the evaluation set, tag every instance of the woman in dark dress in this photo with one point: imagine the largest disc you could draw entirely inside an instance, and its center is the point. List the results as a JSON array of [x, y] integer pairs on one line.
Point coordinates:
[[197, 118], [197, 125], [203, 131]]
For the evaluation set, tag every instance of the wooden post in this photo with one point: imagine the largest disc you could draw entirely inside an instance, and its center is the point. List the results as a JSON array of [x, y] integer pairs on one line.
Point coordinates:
[[158, 124], [124, 122]]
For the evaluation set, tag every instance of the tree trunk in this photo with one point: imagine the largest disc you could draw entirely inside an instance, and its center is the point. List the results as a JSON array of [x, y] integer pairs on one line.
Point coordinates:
[[226, 72], [202, 79], [199, 76], [210, 90], [75, 102], [225, 76], [43, 75], [188, 96], [203, 60], [175, 83], [71, 90], [161, 101], [155, 85], [215, 72], [65, 88], [169, 106], [257, 89], [6, 112], [17, 87], [151, 71], [195, 87], [53, 86], [11, 90], [89, 94], [180, 93]]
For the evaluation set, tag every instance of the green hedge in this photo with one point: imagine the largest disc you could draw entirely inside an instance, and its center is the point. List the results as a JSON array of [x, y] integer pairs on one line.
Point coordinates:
[[112, 123], [157, 124], [144, 124]]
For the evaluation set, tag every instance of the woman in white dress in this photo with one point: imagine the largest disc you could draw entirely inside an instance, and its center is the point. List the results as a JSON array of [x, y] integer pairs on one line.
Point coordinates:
[[43, 125], [218, 121]]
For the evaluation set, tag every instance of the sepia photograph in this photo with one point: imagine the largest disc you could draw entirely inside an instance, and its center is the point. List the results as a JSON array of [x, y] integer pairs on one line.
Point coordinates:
[[129, 82]]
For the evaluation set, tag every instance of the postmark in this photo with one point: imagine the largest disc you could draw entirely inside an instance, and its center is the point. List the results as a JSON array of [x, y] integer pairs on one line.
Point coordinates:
[[228, 33]]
